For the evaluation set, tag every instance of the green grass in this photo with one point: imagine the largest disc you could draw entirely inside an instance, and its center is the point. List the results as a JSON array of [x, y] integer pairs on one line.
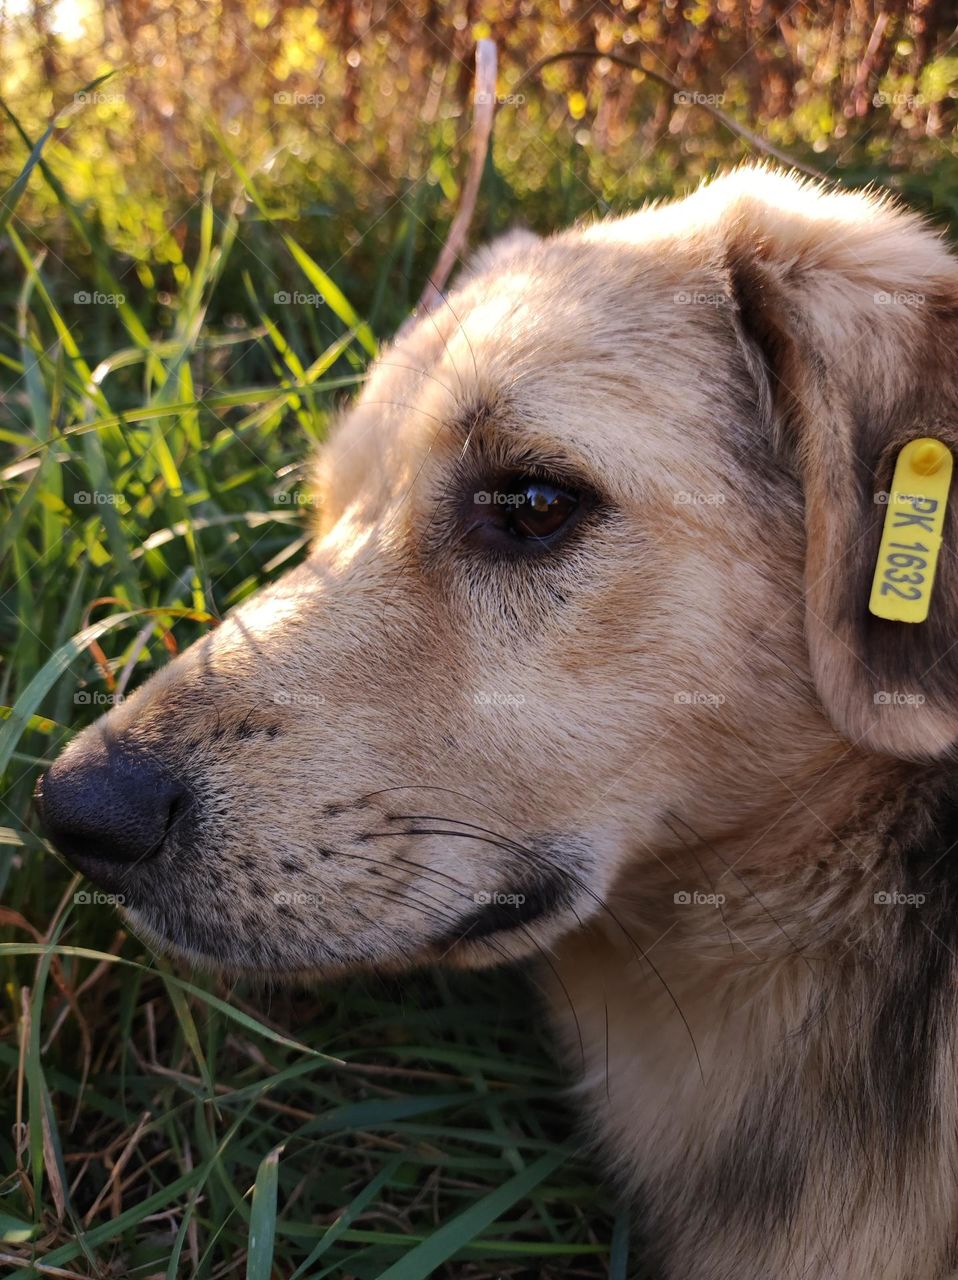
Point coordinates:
[[154, 1123]]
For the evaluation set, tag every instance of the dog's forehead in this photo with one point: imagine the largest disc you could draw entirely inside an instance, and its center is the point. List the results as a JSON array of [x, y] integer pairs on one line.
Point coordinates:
[[586, 349]]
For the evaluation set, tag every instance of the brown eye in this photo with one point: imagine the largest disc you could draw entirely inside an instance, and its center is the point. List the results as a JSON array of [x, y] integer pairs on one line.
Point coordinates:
[[538, 509], [523, 514]]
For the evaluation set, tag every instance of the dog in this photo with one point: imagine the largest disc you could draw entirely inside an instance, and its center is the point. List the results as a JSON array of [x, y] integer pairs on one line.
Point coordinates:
[[581, 669]]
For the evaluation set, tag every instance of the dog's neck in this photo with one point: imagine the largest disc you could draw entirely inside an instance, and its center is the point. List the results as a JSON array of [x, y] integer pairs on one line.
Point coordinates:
[[821, 853], [776, 1029]]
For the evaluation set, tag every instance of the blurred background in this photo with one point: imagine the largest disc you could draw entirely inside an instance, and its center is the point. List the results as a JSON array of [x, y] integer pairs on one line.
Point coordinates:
[[213, 210], [342, 109]]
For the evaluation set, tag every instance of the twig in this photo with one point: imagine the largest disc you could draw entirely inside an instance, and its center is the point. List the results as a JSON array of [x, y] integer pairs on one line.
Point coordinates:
[[484, 110], [118, 1167], [44, 1269], [700, 100]]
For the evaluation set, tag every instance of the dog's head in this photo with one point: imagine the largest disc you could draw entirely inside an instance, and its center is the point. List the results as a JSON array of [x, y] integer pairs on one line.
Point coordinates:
[[595, 547]]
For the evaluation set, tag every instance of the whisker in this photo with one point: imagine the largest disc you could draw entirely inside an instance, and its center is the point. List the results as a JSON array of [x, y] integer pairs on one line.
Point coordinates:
[[608, 1089], [490, 942], [411, 368], [377, 862], [540, 861], [435, 831], [803, 683], [433, 872], [638, 950], [431, 317], [746, 886], [565, 991], [709, 881], [396, 896], [413, 408]]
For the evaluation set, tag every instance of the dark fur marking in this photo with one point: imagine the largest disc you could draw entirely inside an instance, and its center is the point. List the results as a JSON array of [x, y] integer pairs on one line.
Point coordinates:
[[757, 1178], [885, 1019], [539, 898], [767, 348]]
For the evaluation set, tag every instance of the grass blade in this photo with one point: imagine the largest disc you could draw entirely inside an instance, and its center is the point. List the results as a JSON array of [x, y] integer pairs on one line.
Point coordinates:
[[262, 1222], [237, 1015], [423, 1260], [26, 705], [352, 1211]]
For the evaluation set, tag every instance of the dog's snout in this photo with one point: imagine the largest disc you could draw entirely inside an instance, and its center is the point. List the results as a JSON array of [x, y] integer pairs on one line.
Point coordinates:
[[107, 807]]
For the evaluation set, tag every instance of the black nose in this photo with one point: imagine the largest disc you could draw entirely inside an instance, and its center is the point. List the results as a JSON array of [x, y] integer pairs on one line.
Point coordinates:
[[108, 806]]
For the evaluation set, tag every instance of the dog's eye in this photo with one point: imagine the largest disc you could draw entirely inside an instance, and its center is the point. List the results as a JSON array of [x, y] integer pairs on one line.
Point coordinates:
[[525, 509], [540, 509]]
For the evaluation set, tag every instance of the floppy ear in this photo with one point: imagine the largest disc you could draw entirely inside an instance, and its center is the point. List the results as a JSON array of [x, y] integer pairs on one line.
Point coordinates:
[[847, 313]]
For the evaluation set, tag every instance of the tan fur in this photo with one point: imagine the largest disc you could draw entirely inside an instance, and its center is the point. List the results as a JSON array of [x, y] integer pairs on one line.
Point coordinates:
[[682, 702]]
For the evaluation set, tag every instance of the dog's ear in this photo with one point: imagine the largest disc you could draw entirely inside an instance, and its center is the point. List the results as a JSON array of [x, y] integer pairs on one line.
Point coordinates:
[[846, 309]]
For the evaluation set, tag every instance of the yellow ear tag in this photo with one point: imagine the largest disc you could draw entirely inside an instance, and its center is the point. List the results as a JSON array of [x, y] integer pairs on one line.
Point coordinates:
[[911, 538]]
